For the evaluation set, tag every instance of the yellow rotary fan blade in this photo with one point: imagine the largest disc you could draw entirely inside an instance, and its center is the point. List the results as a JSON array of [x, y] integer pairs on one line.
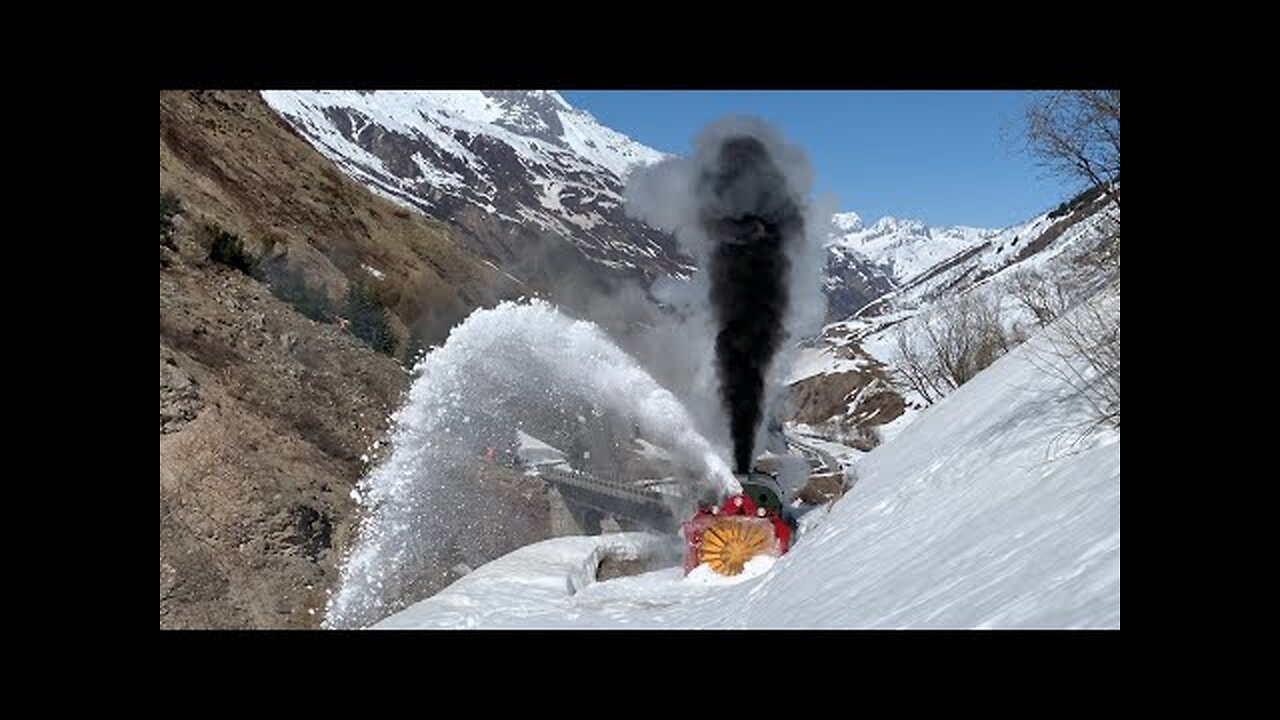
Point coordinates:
[[727, 546]]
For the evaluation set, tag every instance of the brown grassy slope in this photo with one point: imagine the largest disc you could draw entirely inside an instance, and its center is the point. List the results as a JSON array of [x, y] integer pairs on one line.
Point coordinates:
[[264, 413], [230, 157]]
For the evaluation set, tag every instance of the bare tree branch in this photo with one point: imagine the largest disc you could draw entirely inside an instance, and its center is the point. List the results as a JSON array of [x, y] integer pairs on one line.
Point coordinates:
[[1076, 133]]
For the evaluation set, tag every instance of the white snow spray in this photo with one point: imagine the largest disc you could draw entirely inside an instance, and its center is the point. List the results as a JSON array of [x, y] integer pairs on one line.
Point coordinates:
[[516, 365]]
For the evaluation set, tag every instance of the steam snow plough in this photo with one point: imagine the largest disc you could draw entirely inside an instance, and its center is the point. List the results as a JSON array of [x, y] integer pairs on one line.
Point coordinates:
[[724, 535], [747, 525]]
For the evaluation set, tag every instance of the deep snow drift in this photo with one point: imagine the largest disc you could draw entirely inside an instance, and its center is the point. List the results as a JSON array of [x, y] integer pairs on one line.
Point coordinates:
[[980, 514]]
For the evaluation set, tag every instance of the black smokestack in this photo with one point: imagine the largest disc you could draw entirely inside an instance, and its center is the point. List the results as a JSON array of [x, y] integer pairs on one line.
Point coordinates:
[[751, 219]]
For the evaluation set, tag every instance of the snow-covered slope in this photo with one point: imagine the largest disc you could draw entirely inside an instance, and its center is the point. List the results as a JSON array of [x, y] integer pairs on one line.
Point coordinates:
[[539, 127], [895, 255], [980, 257], [979, 514], [908, 264], [849, 386], [903, 249], [496, 163]]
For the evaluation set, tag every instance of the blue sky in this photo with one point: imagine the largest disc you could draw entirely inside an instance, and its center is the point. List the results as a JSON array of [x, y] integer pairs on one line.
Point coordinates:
[[938, 156]]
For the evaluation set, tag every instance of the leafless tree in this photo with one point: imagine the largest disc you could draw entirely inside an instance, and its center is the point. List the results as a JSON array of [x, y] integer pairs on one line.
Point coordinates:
[[915, 365], [948, 344], [1082, 348], [1045, 295], [1076, 133]]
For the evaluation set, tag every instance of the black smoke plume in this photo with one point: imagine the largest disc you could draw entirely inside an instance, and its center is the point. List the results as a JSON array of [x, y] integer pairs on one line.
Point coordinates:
[[739, 204], [750, 218]]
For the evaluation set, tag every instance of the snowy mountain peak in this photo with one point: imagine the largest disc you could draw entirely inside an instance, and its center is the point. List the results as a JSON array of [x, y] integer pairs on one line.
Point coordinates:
[[890, 224], [534, 113], [546, 115], [905, 248], [847, 221]]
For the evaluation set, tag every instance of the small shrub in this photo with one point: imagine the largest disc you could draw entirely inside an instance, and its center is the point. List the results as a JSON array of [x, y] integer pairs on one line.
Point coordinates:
[[169, 207], [943, 347], [368, 319], [226, 248], [1082, 348]]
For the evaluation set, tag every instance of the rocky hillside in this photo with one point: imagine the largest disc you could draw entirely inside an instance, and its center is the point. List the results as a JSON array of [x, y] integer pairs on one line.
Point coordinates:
[[271, 400], [228, 155]]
